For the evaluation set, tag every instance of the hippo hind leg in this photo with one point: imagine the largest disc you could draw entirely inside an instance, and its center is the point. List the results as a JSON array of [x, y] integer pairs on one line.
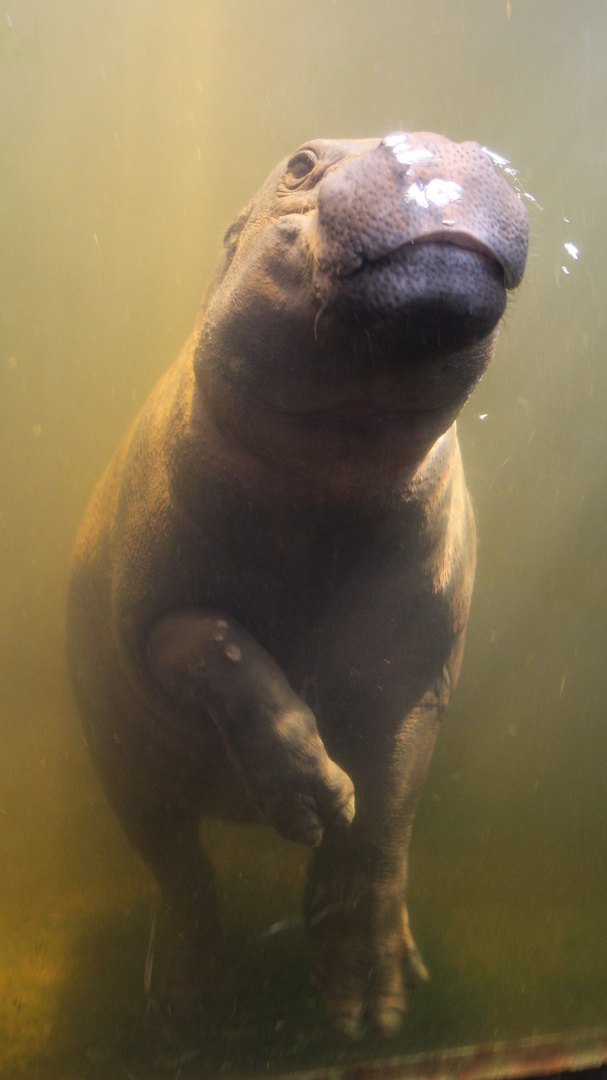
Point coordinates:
[[192, 963], [159, 799]]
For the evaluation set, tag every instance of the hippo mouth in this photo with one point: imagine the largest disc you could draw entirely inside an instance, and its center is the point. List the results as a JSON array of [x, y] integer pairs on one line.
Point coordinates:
[[463, 240], [435, 293], [459, 239]]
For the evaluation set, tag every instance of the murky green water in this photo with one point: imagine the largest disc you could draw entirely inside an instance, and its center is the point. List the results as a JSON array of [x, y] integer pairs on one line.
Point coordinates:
[[131, 134]]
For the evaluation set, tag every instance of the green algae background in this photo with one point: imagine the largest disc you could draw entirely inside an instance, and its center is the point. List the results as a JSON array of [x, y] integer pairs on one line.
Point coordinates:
[[132, 133]]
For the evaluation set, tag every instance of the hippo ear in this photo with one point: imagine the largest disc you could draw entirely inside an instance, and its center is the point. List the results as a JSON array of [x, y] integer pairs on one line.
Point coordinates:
[[232, 234]]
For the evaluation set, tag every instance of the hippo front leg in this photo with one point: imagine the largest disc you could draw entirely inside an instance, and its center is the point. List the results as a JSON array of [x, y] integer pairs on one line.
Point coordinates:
[[356, 907], [208, 664]]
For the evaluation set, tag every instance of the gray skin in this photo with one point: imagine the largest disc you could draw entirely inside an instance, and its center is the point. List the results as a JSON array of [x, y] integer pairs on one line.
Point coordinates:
[[271, 584]]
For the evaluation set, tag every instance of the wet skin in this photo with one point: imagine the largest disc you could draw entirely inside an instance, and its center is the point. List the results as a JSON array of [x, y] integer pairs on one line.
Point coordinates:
[[271, 584]]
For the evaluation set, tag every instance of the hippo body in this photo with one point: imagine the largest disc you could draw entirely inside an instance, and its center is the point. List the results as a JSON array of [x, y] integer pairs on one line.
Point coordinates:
[[271, 584]]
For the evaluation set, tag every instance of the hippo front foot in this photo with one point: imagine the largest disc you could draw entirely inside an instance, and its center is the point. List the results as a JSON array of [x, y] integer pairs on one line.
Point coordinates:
[[298, 788], [208, 664], [366, 956]]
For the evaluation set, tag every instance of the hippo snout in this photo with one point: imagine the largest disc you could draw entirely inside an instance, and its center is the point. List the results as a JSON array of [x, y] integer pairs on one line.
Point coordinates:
[[415, 188], [421, 225]]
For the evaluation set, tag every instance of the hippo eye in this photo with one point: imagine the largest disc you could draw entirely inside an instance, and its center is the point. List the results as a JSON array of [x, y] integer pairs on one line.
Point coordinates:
[[301, 165]]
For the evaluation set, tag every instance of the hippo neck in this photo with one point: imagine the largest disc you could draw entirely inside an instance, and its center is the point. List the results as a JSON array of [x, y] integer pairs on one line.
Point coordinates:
[[210, 451]]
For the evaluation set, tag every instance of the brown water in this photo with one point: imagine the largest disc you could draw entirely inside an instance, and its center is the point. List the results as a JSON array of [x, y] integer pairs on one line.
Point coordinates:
[[131, 134]]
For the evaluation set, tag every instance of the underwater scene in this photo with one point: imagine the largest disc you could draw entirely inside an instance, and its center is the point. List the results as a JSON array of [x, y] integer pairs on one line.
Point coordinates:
[[284, 546]]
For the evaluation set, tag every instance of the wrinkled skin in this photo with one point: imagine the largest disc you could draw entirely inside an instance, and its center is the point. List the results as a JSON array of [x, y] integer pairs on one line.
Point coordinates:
[[271, 584]]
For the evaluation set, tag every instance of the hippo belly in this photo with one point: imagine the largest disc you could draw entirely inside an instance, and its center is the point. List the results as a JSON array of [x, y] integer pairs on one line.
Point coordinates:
[[271, 584]]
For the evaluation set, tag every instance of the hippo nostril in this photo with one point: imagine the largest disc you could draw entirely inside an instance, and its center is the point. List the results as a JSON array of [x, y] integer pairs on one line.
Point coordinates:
[[404, 152], [442, 192], [395, 138], [438, 193], [412, 155], [416, 194]]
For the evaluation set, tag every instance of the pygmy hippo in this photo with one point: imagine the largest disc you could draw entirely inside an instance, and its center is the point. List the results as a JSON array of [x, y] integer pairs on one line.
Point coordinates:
[[271, 584]]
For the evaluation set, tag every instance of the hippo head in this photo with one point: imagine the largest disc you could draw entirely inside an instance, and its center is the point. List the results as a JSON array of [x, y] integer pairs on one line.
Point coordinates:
[[361, 293]]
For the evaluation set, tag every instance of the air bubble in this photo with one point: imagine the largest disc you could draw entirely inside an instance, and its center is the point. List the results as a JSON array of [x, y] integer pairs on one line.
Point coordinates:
[[442, 192]]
